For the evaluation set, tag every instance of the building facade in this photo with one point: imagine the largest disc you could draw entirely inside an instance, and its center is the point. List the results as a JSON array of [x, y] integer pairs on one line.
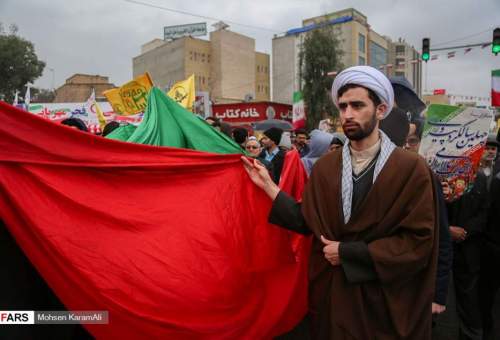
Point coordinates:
[[78, 88], [405, 61], [226, 66], [360, 45]]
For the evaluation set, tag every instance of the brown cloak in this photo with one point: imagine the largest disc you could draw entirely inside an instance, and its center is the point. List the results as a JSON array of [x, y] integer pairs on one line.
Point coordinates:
[[397, 220]]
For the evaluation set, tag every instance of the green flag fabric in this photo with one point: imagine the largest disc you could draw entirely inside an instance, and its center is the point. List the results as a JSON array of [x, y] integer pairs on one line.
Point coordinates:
[[122, 133], [166, 123]]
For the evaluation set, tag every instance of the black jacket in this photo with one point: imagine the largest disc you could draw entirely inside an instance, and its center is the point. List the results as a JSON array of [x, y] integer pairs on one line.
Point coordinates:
[[277, 164], [492, 231], [471, 212], [445, 255]]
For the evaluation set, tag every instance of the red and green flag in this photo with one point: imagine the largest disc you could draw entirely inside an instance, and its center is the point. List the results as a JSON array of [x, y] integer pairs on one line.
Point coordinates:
[[173, 243], [495, 88]]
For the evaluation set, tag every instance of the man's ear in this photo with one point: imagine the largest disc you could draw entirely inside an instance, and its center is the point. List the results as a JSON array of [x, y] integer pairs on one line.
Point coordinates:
[[380, 112]]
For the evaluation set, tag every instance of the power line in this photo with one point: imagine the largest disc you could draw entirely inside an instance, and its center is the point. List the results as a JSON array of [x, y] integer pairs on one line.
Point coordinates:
[[485, 44], [466, 37], [200, 16]]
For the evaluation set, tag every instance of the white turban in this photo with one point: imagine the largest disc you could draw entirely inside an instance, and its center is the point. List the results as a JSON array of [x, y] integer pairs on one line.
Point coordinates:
[[368, 77]]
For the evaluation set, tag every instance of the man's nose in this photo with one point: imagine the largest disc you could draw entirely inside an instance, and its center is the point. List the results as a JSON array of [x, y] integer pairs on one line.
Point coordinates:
[[348, 112]]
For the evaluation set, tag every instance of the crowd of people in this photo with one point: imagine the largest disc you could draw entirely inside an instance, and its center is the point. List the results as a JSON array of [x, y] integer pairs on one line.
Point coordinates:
[[387, 240]]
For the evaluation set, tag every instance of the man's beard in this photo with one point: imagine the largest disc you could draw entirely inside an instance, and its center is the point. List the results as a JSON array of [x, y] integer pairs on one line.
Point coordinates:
[[361, 131]]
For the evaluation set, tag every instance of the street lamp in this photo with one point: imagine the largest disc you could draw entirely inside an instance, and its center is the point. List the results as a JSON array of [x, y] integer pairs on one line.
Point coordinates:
[[53, 77]]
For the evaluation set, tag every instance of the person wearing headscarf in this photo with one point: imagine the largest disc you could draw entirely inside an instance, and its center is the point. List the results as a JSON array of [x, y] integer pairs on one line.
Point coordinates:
[[371, 210], [337, 142], [318, 146], [285, 141]]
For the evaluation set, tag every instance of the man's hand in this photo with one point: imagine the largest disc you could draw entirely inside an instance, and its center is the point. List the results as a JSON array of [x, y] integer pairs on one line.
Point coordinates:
[[331, 251], [260, 176], [458, 234], [446, 190], [437, 309]]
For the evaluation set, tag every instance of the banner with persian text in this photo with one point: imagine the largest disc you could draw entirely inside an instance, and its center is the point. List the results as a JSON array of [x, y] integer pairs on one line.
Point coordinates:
[[59, 111], [453, 142]]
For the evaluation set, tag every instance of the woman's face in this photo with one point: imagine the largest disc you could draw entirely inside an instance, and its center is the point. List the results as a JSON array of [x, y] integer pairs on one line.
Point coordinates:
[[334, 147], [253, 148]]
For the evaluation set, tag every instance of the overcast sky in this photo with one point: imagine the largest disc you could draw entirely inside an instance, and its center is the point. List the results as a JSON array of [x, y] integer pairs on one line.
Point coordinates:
[[102, 36]]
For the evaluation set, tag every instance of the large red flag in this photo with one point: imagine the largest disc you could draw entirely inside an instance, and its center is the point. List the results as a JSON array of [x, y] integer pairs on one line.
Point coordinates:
[[174, 243]]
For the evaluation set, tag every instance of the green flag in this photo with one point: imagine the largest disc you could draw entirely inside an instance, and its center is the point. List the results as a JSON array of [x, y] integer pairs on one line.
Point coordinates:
[[166, 123], [122, 133]]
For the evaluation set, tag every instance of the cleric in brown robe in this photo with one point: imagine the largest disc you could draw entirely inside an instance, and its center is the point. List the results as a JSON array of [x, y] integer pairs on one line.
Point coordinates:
[[371, 209]]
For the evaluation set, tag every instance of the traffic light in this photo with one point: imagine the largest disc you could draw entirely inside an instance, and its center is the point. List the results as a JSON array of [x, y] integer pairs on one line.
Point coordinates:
[[495, 45], [426, 49]]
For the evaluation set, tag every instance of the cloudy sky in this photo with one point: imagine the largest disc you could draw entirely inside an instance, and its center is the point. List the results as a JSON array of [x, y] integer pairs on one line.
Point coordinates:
[[102, 36]]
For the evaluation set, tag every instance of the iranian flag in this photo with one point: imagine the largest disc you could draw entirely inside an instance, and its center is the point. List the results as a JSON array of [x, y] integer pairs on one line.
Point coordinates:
[[495, 87], [299, 113]]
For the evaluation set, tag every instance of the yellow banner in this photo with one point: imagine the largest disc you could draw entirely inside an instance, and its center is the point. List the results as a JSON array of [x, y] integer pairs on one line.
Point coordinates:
[[130, 98], [183, 92]]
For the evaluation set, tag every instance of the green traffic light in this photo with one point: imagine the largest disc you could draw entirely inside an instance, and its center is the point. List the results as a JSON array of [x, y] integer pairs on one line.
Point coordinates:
[[425, 56], [495, 49]]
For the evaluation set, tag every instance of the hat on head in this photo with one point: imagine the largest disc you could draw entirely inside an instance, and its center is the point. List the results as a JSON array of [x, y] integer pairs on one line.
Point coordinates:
[[368, 77], [274, 134], [492, 140]]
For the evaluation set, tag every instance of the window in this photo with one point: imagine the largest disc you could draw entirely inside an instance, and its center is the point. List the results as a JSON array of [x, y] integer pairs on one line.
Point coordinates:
[[378, 55], [258, 68], [190, 55], [400, 49], [361, 61], [361, 43], [203, 57], [208, 58], [399, 74]]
